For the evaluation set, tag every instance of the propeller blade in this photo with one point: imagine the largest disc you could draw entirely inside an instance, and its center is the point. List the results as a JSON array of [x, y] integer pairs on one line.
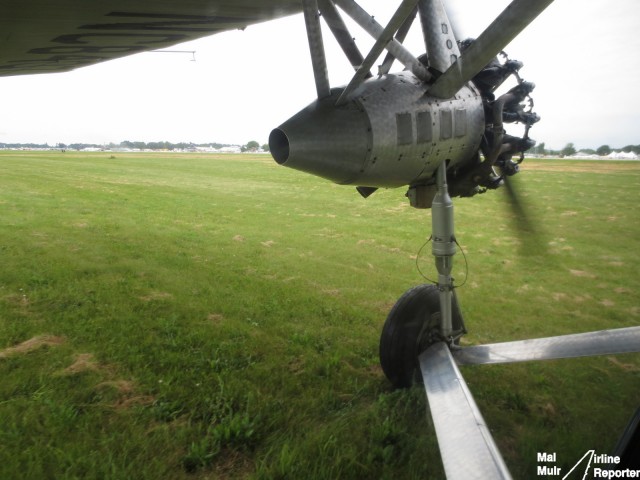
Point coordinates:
[[527, 229], [490, 43], [604, 342], [467, 449], [520, 209]]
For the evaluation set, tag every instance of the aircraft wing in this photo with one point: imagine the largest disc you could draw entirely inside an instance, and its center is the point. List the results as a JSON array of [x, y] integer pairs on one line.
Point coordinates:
[[44, 36]]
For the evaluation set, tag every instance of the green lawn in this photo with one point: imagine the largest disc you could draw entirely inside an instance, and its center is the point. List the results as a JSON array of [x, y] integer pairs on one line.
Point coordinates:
[[203, 316]]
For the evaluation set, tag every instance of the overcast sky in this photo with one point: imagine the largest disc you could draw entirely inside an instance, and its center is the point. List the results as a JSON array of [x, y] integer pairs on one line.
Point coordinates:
[[582, 55]]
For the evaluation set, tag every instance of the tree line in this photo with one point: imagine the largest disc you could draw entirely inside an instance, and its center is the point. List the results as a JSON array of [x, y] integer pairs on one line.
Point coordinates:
[[251, 146], [570, 149]]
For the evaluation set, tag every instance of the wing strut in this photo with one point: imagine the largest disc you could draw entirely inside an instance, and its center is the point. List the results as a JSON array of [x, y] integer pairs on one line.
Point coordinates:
[[604, 342], [467, 449], [440, 42], [316, 47], [496, 37]]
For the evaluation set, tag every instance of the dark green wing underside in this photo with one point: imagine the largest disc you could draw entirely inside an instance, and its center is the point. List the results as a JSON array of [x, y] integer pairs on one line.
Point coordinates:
[[45, 36]]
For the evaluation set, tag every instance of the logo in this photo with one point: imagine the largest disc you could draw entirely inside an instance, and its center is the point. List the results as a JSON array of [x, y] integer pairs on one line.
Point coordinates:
[[591, 465]]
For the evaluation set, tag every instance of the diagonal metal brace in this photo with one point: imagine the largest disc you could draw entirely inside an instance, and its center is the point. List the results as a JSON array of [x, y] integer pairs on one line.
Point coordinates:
[[400, 36], [385, 37], [341, 33], [371, 26]]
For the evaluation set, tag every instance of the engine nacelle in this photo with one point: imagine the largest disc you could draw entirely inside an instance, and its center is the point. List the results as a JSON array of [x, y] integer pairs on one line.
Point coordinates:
[[391, 134]]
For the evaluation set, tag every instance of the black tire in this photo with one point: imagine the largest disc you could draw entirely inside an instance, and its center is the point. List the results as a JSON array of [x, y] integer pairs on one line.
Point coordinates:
[[411, 326]]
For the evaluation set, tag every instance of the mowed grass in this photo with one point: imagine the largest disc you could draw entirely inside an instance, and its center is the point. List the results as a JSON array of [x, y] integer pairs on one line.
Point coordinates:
[[186, 316]]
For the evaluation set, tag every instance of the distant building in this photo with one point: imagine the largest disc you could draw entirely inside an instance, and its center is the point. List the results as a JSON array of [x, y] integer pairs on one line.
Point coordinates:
[[230, 149], [611, 156]]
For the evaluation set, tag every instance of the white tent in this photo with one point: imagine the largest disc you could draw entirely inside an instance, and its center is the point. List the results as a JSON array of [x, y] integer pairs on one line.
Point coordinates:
[[622, 156]]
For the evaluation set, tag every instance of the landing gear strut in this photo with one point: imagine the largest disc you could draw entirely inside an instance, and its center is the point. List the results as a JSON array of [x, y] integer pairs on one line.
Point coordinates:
[[425, 314]]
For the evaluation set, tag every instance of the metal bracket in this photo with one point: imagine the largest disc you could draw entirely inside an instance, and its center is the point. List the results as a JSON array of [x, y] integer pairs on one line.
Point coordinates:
[[441, 44]]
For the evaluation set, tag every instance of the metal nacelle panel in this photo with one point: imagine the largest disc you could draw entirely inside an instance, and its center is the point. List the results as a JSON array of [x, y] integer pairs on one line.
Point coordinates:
[[411, 133], [390, 134]]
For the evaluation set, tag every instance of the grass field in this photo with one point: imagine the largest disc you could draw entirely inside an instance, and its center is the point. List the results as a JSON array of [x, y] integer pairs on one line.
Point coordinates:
[[184, 316]]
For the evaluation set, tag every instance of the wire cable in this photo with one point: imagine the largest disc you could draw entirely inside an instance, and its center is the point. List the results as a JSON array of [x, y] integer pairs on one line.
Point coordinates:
[[418, 258], [466, 263]]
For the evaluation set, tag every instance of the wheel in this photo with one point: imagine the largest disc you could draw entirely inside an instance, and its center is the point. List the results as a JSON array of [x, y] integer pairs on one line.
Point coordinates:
[[411, 326]]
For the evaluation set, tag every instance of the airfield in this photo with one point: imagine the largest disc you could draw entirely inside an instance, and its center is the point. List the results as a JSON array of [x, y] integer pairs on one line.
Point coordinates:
[[218, 316]]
